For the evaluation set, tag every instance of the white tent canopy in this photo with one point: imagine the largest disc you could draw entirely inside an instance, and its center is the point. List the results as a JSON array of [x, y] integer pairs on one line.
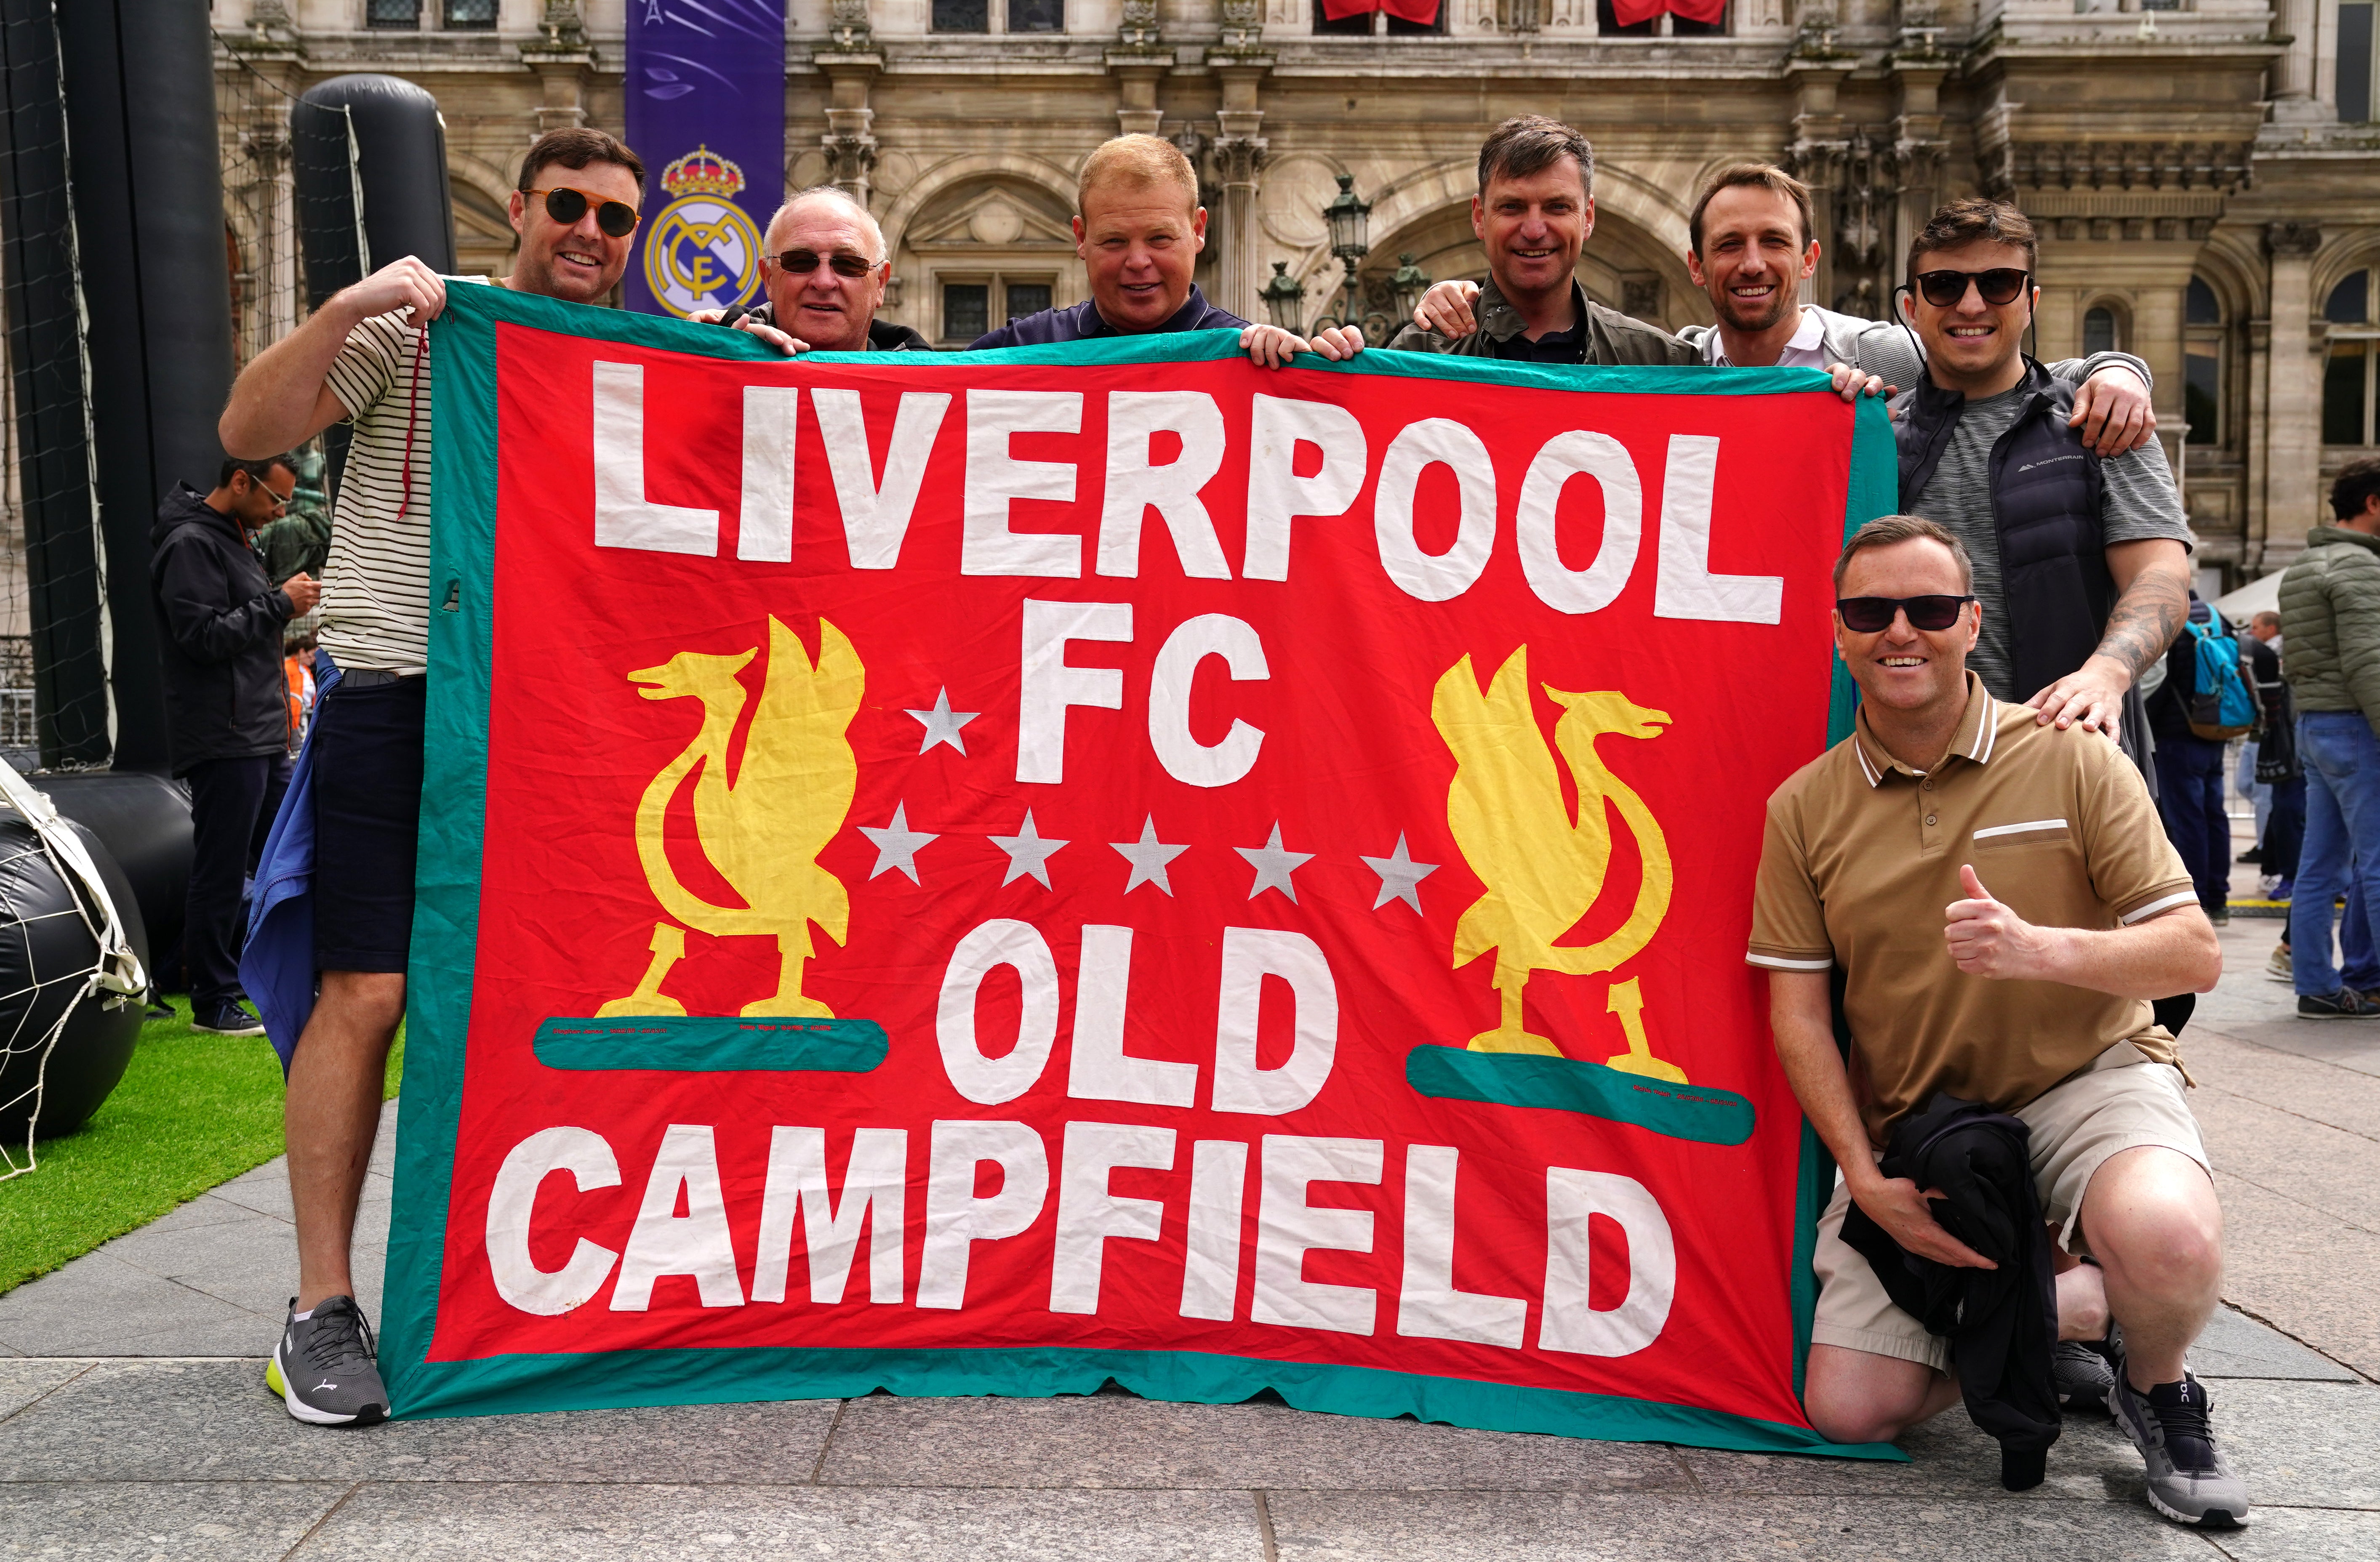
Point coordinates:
[[2258, 596]]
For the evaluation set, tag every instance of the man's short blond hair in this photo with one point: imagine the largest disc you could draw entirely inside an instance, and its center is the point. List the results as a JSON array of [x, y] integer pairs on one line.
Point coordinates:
[[1137, 163], [837, 194]]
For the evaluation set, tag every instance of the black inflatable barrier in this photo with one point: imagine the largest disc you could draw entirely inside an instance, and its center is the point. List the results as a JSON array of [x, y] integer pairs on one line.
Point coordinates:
[[400, 146], [47, 954], [143, 820]]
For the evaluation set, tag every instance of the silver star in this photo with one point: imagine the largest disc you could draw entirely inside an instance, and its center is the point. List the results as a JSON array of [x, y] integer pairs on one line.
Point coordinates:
[[1401, 877], [1273, 864], [943, 724], [896, 843], [1147, 856], [1028, 853]]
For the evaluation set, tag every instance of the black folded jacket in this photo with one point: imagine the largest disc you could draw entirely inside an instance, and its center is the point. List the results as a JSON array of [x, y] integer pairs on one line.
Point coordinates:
[[2002, 1324]]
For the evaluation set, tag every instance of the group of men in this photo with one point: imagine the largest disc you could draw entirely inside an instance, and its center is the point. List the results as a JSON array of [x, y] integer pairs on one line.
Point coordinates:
[[1997, 644]]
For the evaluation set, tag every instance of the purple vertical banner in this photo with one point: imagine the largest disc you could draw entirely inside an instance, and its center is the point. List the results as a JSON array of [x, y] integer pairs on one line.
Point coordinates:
[[706, 88]]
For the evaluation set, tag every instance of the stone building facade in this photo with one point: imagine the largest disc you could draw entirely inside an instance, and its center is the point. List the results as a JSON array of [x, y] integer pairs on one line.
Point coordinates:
[[2206, 172]]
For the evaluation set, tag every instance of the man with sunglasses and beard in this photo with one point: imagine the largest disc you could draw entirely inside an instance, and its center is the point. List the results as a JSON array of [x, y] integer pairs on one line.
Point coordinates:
[[360, 358], [825, 270], [2081, 561], [2059, 911]]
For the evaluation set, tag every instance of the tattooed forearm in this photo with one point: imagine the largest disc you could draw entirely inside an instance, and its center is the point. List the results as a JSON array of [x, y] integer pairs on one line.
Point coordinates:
[[2147, 617]]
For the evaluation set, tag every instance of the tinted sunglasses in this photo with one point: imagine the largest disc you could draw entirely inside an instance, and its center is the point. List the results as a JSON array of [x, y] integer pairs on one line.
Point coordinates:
[[1873, 615], [801, 262], [565, 206], [2002, 285]]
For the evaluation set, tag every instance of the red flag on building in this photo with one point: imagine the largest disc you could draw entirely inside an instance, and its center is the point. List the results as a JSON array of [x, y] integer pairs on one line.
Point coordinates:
[[1628, 13], [1421, 13]]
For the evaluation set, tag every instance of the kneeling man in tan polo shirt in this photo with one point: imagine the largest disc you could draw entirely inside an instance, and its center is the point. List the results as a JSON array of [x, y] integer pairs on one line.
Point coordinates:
[[2003, 904]]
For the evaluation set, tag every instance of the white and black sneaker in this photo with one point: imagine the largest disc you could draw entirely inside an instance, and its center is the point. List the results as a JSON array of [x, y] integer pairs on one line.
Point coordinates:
[[226, 1019], [2190, 1480], [2084, 1379], [324, 1369]]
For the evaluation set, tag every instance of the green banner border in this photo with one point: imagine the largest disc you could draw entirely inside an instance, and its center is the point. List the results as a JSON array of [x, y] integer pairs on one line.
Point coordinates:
[[445, 936]]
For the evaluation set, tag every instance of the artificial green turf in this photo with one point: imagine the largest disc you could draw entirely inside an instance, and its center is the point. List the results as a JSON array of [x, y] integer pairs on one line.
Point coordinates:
[[193, 1110]]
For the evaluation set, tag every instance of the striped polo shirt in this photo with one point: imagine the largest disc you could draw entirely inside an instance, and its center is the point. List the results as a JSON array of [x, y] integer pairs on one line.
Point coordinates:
[[1861, 862], [376, 581]]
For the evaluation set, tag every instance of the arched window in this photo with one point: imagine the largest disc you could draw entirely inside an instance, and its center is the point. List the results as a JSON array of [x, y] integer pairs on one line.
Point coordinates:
[[2202, 363], [2348, 391], [2099, 330]]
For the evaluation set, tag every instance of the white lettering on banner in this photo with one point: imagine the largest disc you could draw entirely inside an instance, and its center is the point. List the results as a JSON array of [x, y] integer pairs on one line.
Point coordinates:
[[995, 479], [1097, 1067], [956, 1219], [1089, 1213], [1046, 686], [1288, 1228], [1184, 758], [1434, 442], [623, 517], [1685, 587], [1210, 1270], [1250, 954], [549, 1293], [1135, 482], [1018, 946], [764, 523], [1579, 452], [1428, 1307], [663, 1242], [1277, 495], [875, 1188], [876, 517], [1568, 1323]]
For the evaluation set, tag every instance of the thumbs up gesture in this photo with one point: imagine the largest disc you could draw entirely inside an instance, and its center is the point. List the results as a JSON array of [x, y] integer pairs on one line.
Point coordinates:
[[1989, 940]]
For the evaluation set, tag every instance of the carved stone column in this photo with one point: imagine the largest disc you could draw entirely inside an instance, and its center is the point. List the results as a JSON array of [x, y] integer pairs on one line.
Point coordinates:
[[1138, 59], [2293, 73], [1815, 70], [851, 64], [1240, 64], [565, 63], [2292, 429], [1918, 64]]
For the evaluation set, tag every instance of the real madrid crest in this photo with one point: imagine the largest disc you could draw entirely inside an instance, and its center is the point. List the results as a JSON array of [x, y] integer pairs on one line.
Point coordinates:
[[702, 253]]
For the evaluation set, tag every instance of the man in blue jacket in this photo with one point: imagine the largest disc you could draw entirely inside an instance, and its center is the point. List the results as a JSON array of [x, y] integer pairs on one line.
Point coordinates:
[[226, 705]]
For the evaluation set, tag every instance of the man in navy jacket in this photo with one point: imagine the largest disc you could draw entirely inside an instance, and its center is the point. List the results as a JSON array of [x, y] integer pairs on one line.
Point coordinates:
[[227, 702]]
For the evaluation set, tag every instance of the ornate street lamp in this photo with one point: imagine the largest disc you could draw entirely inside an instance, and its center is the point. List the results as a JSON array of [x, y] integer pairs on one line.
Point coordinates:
[[1284, 299], [1348, 218], [1410, 283]]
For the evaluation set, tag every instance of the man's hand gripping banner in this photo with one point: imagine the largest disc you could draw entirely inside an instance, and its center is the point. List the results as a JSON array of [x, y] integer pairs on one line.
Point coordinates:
[[991, 874]]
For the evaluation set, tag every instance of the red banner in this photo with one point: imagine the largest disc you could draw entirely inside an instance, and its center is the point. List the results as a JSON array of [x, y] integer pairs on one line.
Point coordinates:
[[992, 868]]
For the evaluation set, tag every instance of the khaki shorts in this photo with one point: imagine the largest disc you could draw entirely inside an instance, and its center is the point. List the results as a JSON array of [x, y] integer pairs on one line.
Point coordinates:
[[2122, 1101]]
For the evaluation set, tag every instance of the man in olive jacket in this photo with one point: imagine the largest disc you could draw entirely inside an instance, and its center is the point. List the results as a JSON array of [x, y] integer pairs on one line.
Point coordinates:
[[2330, 621]]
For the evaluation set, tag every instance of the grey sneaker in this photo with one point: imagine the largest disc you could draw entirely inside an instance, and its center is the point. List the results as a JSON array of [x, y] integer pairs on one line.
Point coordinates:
[[2190, 1480], [324, 1369], [2082, 1376]]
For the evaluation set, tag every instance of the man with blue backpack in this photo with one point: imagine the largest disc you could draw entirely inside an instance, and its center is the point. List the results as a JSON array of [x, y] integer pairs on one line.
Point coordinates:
[[2202, 704]]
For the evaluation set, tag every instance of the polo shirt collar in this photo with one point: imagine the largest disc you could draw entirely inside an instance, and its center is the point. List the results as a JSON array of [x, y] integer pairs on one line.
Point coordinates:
[[1194, 309], [1976, 738], [1808, 337]]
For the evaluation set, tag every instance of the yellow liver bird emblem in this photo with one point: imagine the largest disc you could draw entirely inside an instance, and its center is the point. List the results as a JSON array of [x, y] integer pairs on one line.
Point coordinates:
[[763, 826], [1544, 870]]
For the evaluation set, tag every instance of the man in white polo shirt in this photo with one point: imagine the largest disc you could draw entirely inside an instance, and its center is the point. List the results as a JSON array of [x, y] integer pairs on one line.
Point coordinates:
[[359, 358]]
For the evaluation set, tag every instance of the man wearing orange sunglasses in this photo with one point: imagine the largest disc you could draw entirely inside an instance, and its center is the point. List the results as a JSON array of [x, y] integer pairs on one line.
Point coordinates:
[[357, 358]]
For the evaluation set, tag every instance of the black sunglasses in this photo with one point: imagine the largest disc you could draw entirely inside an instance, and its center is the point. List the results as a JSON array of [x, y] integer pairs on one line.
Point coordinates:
[[801, 262], [2002, 285], [565, 206], [1873, 615]]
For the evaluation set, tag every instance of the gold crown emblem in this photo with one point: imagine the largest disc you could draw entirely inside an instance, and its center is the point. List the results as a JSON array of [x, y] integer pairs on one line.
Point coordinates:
[[702, 172]]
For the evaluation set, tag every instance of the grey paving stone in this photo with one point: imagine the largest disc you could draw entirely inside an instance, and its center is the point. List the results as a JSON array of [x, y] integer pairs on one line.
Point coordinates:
[[249, 1264], [2238, 1345], [213, 1421], [99, 1306], [2302, 1444], [1467, 1527], [190, 1521], [26, 1379], [198, 1213], [2301, 1535], [1948, 1457], [2321, 1041], [1112, 1440], [530, 1523]]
